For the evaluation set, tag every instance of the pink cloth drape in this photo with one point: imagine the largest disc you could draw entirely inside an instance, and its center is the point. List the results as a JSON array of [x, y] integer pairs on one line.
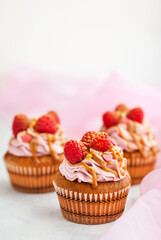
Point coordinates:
[[143, 219]]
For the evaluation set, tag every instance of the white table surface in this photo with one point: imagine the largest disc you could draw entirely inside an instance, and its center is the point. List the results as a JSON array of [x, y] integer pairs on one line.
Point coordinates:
[[37, 216]]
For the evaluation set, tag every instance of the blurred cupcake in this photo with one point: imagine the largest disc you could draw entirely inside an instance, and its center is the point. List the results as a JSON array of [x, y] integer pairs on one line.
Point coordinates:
[[35, 152], [135, 137], [93, 183]]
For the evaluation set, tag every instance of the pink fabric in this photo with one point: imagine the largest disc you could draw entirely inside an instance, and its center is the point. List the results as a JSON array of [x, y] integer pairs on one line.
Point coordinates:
[[142, 221], [80, 106], [151, 181]]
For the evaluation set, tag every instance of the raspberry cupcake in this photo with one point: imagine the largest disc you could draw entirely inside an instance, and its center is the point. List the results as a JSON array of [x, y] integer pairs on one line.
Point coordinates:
[[35, 152], [135, 137], [92, 183]]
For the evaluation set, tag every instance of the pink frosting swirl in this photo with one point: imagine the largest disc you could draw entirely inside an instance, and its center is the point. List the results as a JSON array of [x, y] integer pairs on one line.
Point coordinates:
[[79, 173], [142, 132], [20, 148]]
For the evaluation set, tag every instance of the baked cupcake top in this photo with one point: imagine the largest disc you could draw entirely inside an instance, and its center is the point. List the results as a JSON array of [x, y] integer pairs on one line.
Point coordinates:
[[95, 158], [129, 129], [37, 137]]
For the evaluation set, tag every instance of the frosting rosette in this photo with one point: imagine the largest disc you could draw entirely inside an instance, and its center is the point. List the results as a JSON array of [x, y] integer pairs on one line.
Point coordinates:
[[96, 158], [132, 136], [114, 167], [129, 129], [45, 143], [37, 137], [35, 152]]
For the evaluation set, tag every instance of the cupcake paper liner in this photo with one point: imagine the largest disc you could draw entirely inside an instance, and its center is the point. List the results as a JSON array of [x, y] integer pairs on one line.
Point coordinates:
[[32, 179], [91, 208], [138, 165]]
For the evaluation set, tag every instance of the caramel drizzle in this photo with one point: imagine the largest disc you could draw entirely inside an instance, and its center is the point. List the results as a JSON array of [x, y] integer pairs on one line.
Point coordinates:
[[154, 148], [134, 136], [92, 172], [123, 172], [142, 141], [51, 140], [49, 144], [11, 140], [33, 147], [117, 155], [135, 128], [122, 135], [140, 145], [103, 166]]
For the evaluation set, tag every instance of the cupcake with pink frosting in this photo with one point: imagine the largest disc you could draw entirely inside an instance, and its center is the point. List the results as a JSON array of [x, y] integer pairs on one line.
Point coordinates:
[[35, 152], [92, 183], [134, 136]]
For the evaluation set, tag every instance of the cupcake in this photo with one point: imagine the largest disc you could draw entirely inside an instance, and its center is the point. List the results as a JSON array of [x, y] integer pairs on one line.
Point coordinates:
[[35, 152], [92, 183], [135, 137]]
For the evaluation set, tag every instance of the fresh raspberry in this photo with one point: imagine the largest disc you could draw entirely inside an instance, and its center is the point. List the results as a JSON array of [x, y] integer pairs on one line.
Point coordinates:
[[88, 137], [136, 114], [26, 138], [20, 123], [75, 151], [46, 124], [101, 142], [110, 118], [122, 108], [55, 115]]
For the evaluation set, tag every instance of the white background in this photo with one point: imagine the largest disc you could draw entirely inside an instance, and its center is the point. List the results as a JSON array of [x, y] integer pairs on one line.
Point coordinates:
[[82, 38]]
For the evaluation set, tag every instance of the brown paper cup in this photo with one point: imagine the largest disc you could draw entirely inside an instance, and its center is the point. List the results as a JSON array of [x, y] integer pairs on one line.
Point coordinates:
[[91, 208], [138, 165], [32, 179]]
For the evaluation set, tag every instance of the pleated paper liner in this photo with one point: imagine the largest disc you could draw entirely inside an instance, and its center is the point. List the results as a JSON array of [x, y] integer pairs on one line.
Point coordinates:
[[32, 179], [91, 208], [139, 166]]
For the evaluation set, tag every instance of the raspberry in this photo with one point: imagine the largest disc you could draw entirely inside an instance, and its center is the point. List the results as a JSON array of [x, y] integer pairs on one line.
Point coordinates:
[[110, 118], [55, 115], [122, 108], [88, 137], [20, 123], [75, 151], [101, 142], [46, 124], [136, 114]]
